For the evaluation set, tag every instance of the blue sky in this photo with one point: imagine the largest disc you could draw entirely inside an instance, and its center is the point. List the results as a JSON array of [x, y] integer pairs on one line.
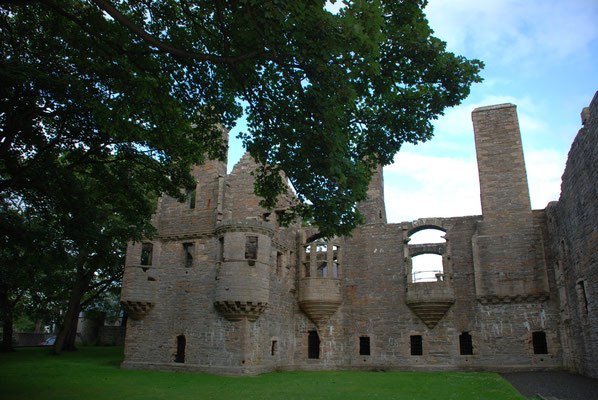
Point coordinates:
[[541, 55]]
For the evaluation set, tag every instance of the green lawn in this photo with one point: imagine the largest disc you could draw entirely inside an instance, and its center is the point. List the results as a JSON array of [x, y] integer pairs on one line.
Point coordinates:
[[93, 373]]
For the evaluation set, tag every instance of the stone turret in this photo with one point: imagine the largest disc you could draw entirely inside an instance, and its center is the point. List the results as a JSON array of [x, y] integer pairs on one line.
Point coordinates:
[[319, 282], [243, 266], [138, 295]]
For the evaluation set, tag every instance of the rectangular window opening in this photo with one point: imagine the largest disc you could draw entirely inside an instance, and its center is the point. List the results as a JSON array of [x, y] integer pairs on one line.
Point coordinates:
[[539, 342], [465, 344], [364, 346], [313, 345], [251, 247], [274, 347], [306, 267], [147, 250], [188, 249], [191, 197], [322, 269], [179, 357], [417, 345]]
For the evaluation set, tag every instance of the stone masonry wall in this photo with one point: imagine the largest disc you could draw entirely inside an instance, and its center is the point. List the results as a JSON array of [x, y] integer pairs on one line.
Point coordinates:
[[179, 304], [573, 228]]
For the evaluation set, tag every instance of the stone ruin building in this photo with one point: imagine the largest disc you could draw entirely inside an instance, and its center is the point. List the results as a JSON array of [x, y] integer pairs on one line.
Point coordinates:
[[224, 289]]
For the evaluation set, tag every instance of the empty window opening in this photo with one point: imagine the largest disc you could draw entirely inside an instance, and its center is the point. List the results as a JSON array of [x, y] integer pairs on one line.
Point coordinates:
[[307, 269], [221, 249], [191, 193], [179, 357], [188, 250], [428, 235], [266, 216], [583, 296], [321, 251], [427, 268], [313, 345], [465, 344], [364, 346], [417, 348], [147, 250], [279, 260], [335, 263], [322, 269], [251, 247], [274, 348], [539, 342]]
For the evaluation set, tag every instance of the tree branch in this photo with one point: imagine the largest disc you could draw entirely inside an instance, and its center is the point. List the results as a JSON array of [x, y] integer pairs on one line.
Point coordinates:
[[155, 42]]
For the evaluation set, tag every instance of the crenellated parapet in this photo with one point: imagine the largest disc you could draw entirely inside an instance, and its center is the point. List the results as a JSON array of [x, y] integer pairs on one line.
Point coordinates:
[[243, 266]]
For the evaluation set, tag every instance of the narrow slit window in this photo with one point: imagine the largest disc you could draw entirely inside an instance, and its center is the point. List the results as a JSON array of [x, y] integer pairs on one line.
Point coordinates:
[[539, 342], [465, 344], [147, 250], [417, 345], [274, 348], [364, 346], [279, 260], [251, 248], [583, 296], [180, 349], [306, 267], [313, 345], [188, 250], [221, 249]]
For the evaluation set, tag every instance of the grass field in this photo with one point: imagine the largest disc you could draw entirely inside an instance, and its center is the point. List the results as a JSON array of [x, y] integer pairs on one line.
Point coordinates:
[[93, 373]]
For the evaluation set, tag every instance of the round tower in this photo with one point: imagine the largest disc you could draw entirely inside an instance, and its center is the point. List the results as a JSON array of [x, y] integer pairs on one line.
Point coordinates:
[[243, 270]]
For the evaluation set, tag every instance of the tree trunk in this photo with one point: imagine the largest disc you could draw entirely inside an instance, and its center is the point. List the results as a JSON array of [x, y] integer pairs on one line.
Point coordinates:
[[6, 308], [68, 331]]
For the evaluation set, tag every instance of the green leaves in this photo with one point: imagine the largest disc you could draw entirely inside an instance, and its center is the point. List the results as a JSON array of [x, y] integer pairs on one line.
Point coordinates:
[[329, 95]]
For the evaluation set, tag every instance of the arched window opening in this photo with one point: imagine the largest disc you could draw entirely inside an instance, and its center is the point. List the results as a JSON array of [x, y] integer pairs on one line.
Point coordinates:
[[179, 357], [427, 268], [428, 235]]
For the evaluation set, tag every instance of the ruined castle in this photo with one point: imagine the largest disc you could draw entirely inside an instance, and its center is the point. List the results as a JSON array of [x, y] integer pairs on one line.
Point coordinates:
[[224, 289]]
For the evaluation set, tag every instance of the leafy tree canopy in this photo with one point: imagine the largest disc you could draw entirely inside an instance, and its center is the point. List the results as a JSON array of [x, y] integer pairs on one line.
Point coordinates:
[[145, 84]]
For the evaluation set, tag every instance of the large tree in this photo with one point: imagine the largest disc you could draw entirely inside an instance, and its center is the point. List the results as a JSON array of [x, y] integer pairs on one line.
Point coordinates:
[[147, 82], [105, 104]]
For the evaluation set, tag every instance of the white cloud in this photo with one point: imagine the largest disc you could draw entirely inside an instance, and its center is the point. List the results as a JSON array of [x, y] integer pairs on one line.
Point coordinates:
[[419, 186], [509, 31], [544, 171]]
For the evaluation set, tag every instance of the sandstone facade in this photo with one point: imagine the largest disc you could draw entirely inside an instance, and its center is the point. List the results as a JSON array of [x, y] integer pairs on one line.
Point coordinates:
[[224, 289]]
